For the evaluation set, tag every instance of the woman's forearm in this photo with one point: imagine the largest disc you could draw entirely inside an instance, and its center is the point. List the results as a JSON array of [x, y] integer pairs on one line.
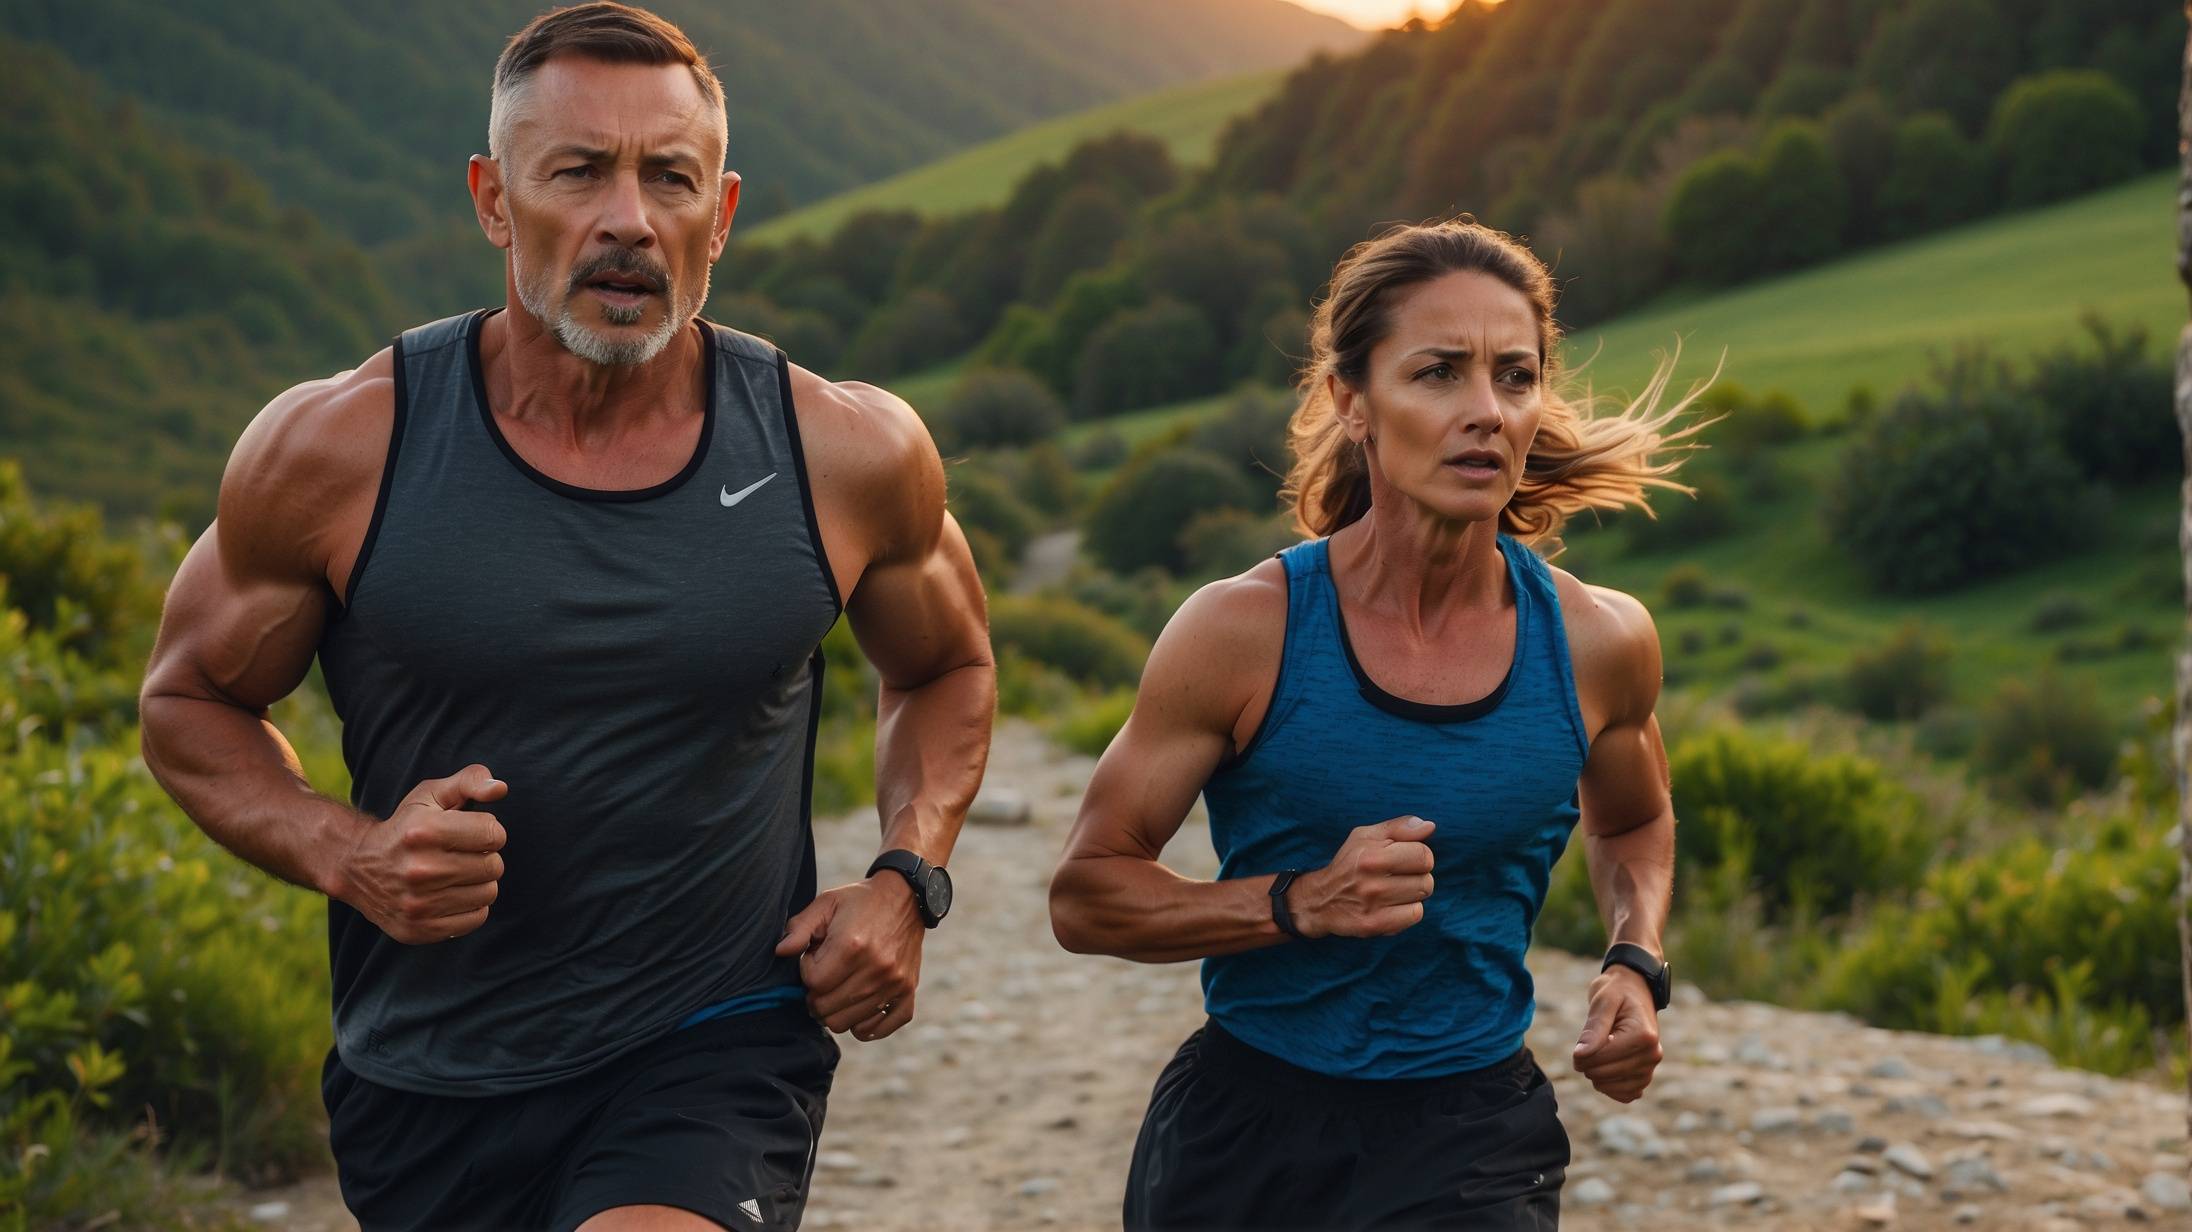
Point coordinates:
[[1130, 906], [1632, 876]]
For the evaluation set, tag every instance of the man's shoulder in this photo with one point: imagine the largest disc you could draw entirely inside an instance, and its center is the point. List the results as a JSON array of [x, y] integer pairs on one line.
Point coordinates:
[[863, 427], [312, 446]]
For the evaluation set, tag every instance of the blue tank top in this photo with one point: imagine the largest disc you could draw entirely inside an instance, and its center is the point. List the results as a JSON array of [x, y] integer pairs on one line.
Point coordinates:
[[1334, 751]]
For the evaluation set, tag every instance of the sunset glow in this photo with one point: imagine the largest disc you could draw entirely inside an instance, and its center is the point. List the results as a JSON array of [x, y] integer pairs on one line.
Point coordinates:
[[1378, 14]]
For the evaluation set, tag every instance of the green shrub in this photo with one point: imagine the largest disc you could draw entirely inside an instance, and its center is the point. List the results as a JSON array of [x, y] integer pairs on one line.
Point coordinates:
[[1570, 920], [1224, 542], [69, 580], [2112, 405], [1057, 632], [1685, 586], [1936, 177], [1901, 678], [1802, 198], [982, 500], [2057, 612], [1146, 356], [992, 408], [2046, 739], [1712, 218], [1677, 520], [2065, 132], [1955, 484], [1138, 519], [1090, 727], [2075, 948], [924, 328], [1815, 832]]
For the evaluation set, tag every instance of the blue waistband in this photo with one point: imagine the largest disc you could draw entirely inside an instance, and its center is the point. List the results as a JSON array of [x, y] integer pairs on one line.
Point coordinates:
[[746, 1003]]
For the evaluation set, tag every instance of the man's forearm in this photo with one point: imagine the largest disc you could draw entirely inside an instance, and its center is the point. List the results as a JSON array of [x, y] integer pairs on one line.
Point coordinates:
[[931, 746], [238, 779], [1632, 876], [1135, 908]]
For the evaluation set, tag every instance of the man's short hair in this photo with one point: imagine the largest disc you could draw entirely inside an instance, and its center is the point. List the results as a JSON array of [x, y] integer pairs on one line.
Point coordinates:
[[604, 30]]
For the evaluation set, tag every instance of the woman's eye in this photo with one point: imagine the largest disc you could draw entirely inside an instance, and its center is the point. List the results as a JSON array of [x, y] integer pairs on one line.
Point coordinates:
[[1436, 372], [1521, 378]]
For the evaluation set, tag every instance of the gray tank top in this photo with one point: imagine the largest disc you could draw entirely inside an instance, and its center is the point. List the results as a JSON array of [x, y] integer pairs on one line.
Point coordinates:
[[642, 667]]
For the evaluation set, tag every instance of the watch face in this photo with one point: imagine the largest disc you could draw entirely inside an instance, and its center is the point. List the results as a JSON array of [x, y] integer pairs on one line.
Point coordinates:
[[938, 892]]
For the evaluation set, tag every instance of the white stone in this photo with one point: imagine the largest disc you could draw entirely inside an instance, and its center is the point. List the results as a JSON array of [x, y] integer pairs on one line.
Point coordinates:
[[1591, 1192], [2167, 1191], [1846, 1181], [268, 1212], [1000, 807], [1905, 1158], [1878, 1212], [1775, 1120], [2062, 1104], [837, 1161], [1742, 1193]]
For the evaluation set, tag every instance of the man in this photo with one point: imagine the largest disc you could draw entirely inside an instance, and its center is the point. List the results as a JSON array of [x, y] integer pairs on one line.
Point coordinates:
[[566, 566]]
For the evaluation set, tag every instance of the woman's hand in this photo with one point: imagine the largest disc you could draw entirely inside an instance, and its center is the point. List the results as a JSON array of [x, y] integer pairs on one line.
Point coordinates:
[[1619, 1048], [1374, 887]]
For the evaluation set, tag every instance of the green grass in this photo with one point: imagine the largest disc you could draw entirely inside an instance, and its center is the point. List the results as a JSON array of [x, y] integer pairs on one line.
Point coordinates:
[[2018, 283], [1187, 119]]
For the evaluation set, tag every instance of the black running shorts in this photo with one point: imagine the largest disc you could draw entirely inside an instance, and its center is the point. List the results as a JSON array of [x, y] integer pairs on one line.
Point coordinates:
[[720, 1118], [1236, 1138]]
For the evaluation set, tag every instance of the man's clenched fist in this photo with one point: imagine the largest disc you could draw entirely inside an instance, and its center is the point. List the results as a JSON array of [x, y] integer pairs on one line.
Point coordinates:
[[430, 871]]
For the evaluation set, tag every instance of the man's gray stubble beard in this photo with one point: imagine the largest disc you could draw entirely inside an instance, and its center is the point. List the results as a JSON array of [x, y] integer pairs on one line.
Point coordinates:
[[583, 342]]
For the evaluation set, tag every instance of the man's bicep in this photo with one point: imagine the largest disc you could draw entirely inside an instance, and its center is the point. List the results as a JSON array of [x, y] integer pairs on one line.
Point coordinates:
[[233, 631], [918, 618]]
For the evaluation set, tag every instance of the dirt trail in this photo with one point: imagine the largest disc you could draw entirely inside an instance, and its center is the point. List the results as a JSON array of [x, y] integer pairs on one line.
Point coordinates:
[[1013, 1101]]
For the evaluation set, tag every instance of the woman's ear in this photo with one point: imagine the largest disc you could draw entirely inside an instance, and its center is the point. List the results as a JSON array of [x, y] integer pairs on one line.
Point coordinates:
[[1349, 407]]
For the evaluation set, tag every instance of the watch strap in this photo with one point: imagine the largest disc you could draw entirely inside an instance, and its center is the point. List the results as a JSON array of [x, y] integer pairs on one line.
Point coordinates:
[[1280, 913], [916, 872], [1642, 961]]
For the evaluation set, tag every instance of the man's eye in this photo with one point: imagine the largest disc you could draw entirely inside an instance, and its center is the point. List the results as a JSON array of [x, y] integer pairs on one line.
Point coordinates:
[[578, 172]]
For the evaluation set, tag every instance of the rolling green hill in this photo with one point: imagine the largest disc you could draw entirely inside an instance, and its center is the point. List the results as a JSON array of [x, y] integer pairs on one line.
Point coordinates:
[[2016, 282], [1187, 119]]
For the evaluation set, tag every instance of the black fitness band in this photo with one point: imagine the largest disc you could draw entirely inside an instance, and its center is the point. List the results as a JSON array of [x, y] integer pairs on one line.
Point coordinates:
[[1279, 913]]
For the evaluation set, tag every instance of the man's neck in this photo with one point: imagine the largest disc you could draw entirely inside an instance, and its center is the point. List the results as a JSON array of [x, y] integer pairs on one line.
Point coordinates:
[[531, 377]]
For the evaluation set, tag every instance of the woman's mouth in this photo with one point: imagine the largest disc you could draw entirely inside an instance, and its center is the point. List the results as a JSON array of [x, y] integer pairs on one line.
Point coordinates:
[[1475, 463]]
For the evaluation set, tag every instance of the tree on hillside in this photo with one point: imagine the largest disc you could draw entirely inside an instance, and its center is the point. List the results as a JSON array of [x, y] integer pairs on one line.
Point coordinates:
[[2183, 734], [2063, 133]]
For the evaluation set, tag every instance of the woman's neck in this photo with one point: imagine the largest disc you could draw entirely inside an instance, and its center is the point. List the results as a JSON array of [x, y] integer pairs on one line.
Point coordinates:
[[1402, 561]]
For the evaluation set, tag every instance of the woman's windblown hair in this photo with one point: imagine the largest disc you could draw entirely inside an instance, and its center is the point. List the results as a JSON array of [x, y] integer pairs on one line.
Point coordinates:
[[1578, 461]]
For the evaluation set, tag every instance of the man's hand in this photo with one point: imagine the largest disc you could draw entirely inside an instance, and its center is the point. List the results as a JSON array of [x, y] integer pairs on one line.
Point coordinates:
[[1374, 887], [859, 950], [1619, 1048], [429, 872]]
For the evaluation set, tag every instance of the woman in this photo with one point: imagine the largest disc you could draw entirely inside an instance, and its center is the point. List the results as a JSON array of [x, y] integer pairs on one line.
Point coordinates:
[[1395, 725]]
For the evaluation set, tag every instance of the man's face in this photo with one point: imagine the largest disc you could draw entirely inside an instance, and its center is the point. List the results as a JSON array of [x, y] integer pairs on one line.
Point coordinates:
[[615, 204]]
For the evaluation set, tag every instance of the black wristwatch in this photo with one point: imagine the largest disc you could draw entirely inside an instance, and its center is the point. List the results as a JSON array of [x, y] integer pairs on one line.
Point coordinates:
[[931, 884], [1640, 960], [1280, 913]]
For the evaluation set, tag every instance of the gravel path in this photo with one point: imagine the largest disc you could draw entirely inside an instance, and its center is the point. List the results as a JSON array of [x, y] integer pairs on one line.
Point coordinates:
[[1012, 1102]]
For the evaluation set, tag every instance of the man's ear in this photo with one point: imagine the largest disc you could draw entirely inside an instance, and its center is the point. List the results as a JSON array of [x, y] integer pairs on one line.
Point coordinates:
[[724, 211], [490, 205]]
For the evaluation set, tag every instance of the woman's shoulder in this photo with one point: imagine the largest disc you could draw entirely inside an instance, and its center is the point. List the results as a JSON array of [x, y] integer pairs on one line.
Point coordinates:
[[1612, 641]]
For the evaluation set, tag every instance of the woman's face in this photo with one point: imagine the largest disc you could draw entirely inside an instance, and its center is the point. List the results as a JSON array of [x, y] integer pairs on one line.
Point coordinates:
[[1452, 397]]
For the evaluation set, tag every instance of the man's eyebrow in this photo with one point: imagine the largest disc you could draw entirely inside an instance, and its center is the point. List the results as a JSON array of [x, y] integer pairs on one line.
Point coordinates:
[[585, 153]]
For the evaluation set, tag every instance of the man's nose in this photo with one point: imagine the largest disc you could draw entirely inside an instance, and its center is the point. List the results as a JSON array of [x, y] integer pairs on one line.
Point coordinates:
[[624, 214]]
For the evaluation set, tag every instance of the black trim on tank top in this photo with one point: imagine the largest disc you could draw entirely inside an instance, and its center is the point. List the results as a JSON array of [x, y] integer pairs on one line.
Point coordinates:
[[708, 364], [806, 488], [808, 882], [1426, 712], [388, 483]]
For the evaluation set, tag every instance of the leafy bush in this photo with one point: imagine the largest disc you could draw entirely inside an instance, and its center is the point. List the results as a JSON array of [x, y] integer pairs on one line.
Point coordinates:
[[1057, 632], [1936, 177], [1685, 586], [1814, 832], [2057, 612], [1712, 217], [2062, 133], [1803, 202], [1956, 484], [2112, 405], [982, 501], [2068, 936], [1090, 727], [1901, 678], [924, 328], [1146, 357], [1224, 542], [996, 407], [1138, 519], [2046, 739]]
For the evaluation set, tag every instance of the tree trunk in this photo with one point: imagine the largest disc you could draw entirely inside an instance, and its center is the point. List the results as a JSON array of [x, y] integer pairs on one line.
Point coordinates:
[[2183, 733]]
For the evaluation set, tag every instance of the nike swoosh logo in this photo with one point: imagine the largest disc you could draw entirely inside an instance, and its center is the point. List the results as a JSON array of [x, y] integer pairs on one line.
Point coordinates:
[[731, 498]]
